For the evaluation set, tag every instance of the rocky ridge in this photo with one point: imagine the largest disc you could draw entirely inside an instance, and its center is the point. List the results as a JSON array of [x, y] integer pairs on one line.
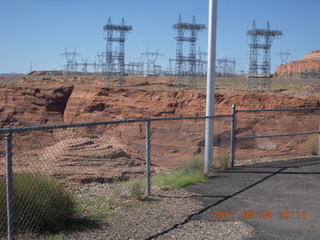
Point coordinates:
[[308, 64], [57, 102]]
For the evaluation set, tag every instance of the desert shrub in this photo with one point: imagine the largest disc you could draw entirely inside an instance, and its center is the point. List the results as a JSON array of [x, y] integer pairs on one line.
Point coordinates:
[[40, 204], [132, 189], [118, 191], [222, 162], [191, 166], [189, 173], [136, 189], [312, 145]]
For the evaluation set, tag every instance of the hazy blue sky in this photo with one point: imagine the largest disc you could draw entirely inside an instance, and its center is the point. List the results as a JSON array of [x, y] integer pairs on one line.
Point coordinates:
[[39, 30]]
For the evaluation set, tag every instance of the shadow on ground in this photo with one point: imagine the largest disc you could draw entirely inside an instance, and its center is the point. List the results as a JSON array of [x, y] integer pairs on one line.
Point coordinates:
[[280, 200]]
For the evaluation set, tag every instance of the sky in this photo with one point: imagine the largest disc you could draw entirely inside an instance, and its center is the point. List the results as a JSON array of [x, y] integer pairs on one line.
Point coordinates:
[[38, 31]]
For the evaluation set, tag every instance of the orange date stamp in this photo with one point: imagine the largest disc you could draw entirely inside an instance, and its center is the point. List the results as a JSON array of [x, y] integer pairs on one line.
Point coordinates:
[[259, 215]]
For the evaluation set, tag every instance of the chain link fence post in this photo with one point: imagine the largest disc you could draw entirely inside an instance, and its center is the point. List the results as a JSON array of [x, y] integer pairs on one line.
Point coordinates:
[[9, 184], [148, 173], [319, 142], [233, 134]]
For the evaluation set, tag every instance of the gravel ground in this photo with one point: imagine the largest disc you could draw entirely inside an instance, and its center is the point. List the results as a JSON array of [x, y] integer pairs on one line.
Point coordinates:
[[163, 216], [196, 229], [166, 209]]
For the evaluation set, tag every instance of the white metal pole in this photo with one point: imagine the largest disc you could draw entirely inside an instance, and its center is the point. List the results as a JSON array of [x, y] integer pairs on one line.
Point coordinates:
[[211, 75]]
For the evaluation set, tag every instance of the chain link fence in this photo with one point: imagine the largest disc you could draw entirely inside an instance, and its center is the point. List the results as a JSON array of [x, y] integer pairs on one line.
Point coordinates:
[[277, 134], [103, 165]]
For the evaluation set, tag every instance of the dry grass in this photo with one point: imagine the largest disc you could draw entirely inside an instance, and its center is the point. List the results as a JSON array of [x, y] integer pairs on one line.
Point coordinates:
[[222, 162], [312, 145]]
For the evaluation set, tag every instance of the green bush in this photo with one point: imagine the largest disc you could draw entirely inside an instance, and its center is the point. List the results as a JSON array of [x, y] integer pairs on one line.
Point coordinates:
[[40, 204], [189, 173]]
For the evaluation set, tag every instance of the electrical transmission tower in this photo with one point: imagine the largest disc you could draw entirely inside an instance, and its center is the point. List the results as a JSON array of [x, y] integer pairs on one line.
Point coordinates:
[[115, 62], [135, 68], [226, 67], [202, 62], [71, 65], [284, 56], [85, 64], [170, 70], [191, 60], [151, 58], [260, 39], [100, 67]]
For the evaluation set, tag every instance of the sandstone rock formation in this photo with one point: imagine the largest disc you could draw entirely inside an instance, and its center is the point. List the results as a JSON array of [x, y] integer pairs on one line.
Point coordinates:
[[32, 105], [107, 153], [308, 66]]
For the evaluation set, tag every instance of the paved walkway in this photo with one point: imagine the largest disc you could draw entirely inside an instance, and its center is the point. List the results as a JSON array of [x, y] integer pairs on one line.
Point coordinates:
[[284, 198]]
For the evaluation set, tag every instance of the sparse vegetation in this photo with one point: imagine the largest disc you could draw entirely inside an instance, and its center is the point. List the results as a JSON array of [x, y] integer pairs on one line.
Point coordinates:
[[96, 209], [133, 189], [137, 189], [189, 173], [40, 204], [59, 236], [312, 145], [222, 162]]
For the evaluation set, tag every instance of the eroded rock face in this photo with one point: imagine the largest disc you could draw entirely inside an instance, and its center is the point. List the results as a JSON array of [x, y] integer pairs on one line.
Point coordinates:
[[108, 153], [309, 63], [102, 104], [32, 105]]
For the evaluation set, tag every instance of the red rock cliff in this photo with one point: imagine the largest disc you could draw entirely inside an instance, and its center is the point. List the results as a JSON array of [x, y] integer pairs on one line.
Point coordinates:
[[309, 63]]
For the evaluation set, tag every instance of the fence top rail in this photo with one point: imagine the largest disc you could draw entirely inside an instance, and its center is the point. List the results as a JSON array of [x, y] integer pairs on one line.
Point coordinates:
[[88, 124], [279, 110], [277, 135]]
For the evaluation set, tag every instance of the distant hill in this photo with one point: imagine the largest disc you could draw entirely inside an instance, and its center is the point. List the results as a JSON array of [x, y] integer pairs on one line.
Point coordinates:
[[9, 74], [308, 66]]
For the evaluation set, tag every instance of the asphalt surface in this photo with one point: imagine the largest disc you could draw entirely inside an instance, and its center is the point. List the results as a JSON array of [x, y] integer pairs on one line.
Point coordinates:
[[280, 200]]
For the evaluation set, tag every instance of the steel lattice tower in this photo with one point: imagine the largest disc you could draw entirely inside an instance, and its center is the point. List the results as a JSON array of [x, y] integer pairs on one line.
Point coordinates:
[[101, 64], [85, 65], [284, 56], [170, 70], [71, 60], [226, 66], [111, 57], [151, 58], [260, 39], [202, 62], [193, 28], [135, 68]]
